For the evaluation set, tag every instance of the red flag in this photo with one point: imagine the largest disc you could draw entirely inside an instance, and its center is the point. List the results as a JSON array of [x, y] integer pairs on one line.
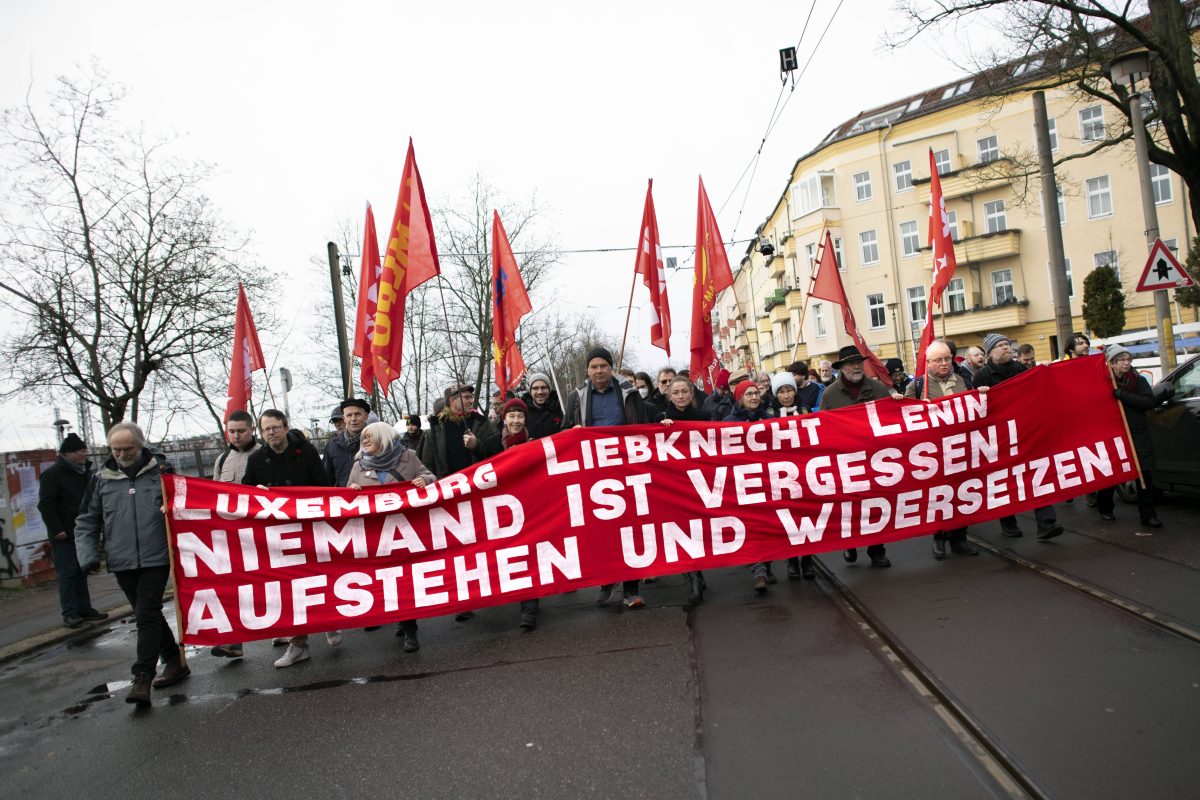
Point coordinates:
[[247, 357], [944, 263], [368, 297], [411, 260], [712, 278], [510, 302], [827, 285], [649, 265]]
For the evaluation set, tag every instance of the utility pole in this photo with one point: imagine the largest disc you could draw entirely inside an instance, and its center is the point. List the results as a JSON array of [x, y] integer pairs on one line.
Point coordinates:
[[1131, 67], [339, 316], [1059, 293]]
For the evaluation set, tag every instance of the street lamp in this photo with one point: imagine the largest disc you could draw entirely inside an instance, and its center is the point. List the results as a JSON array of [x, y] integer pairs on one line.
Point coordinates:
[[1131, 67]]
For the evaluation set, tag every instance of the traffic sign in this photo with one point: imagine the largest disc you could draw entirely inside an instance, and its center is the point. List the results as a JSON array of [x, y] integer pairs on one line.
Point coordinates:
[[1163, 271]]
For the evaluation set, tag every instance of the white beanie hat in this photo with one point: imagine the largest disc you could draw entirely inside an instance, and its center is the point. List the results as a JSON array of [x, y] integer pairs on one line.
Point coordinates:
[[782, 379]]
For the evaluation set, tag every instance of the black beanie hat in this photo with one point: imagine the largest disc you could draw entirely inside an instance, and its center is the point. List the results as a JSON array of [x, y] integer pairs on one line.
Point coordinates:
[[71, 443], [599, 352]]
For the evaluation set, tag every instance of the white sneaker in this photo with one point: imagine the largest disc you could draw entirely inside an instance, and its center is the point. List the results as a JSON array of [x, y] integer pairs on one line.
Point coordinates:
[[280, 641], [334, 638], [292, 655]]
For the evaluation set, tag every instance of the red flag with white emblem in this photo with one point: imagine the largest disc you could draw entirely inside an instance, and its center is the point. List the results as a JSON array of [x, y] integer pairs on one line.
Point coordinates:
[[942, 244], [247, 357], [712, 277], [510, 302], [650, 266]]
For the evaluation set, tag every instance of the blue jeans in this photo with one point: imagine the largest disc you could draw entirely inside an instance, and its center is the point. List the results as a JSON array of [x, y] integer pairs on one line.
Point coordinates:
[[73, 594]]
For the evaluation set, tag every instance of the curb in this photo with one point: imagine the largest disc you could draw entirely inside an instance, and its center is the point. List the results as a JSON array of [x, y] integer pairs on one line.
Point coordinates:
[[60, 634]]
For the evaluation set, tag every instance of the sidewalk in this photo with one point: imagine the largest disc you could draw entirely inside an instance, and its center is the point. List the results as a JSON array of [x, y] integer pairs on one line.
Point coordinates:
[[31, 618]]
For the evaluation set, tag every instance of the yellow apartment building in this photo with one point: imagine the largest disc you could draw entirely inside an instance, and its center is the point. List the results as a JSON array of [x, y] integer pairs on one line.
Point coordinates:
[[868, 184]]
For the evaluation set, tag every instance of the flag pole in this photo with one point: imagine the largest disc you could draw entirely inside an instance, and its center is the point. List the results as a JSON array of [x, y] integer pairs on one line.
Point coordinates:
[[628, 314], [812, 274], [449, 333], [554, 377]]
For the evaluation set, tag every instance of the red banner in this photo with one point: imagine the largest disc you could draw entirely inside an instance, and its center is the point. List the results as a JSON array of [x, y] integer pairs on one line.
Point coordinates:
[[599, 505]]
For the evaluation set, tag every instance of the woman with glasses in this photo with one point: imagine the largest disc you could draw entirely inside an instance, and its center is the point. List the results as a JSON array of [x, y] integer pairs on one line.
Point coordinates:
[[1134, 392], [748, 406]]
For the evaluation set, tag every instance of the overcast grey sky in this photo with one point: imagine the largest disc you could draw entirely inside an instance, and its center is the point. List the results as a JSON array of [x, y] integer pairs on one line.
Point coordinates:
[[306, 109]]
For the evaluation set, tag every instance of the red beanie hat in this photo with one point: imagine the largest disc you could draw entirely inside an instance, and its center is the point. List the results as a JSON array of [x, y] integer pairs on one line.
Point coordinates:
[[514, 404], [740, 390], [723, 379]]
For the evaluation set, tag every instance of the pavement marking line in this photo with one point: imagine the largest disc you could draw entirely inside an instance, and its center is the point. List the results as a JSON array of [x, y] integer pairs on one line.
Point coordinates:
[[1111, 598], [991, 756], [699, 765]]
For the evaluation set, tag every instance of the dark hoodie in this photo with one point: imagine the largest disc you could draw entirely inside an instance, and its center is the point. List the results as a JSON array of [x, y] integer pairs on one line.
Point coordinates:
[[544, 420], [298, 465], [991, 373]]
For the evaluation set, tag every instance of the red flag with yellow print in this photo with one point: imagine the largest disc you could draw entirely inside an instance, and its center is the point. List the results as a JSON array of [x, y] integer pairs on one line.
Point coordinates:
[[712, 277]]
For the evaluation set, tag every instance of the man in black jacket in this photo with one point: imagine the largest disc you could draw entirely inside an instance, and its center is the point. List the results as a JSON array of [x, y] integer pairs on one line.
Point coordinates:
[[999, 367], [288, 459], [60, 496], [545, 414], [341, 449]]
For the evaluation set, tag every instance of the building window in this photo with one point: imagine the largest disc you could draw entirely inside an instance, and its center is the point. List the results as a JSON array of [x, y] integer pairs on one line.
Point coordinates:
[[952, 224], [811, 251], [862, 187], [903, 173], [1052, 125], [1160, 182], [1107, 258], [1002, 287], [1099, 197], [876, 311], [941, 160], [916, 304], [956, 296], [1062, 208], [837, 253], [1091, 124], [869, 246], [989, 149], [819, 320], [910, 240], [1070, 280], [994, 218], [811, 193]]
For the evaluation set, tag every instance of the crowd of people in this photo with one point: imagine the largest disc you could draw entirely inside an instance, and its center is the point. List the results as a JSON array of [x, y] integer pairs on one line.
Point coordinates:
[[122, 499]]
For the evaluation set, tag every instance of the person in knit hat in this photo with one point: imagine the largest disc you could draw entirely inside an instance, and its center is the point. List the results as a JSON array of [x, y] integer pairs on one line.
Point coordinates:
[[749, 407], [1133, 390], [544, 413], [1000, 366], [853, 387], [719, 404], [604, 400], [61, 491], [783, 384]]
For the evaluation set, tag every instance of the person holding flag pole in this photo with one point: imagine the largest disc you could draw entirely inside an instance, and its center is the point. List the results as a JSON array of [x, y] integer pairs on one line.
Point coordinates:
[[649, 264], [944, 263]]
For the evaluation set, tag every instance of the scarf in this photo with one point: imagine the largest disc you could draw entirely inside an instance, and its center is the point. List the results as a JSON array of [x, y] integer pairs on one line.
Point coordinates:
[[80, 468], [385, 460], [447, 415], [514, 439]]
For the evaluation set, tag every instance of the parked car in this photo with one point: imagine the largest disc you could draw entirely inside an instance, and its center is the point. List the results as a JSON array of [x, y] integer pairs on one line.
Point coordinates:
[[1175, 431]]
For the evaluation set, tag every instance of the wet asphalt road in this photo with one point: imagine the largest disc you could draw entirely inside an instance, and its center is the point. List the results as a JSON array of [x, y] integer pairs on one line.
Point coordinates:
[[784, 695]]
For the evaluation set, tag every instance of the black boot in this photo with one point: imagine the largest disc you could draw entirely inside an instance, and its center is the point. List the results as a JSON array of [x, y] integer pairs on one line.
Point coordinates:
[[793, 568], [850, 555], [939, 548], [807, 570], [696, 592], [411, 644], [139, 693]]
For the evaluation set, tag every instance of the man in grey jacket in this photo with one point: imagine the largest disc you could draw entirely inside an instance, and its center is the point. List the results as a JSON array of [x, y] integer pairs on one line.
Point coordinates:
[[126, 504]]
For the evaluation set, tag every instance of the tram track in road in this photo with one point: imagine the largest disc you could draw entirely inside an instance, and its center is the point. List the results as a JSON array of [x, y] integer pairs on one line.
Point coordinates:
[[991, 756], [1092, 590]]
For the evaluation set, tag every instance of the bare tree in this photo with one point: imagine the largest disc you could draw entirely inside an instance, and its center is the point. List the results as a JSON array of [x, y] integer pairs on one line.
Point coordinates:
[[1072, 44], [110, 255], [464, 232]]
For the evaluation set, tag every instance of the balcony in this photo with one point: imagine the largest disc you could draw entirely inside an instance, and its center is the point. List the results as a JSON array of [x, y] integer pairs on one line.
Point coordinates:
[[764, 325], [991, 318], [781, 313], [984, 247], [776, 265], [775, 298], [969, 180], [795, 300]]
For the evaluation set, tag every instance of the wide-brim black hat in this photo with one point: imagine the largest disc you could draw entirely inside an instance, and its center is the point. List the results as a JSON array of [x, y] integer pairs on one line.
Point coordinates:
[[848, 355]]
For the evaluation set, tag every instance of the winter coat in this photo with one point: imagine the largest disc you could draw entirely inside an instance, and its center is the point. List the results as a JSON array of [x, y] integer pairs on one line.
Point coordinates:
[[230, 466], [1138, 398], [129, 511], [689, 414], [579, 404], [409, 468], [916, 387], [745, 415], [433, 444], [837, 396], [298, 465], [718, 406], [339, 458], [545, 420], [993, 374], [60, 496]]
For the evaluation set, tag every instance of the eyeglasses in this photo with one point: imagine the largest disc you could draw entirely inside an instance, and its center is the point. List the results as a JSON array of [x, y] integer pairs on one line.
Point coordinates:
[[274, 428], [940, 360], [751, 393]]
